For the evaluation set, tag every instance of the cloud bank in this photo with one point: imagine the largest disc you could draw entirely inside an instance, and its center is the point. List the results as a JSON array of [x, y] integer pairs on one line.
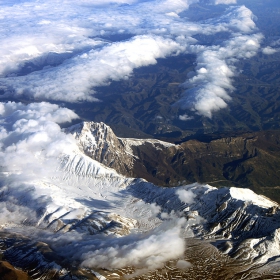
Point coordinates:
[[65, 54], [73, 80], [31, 132], [146, 252], [209, 88]]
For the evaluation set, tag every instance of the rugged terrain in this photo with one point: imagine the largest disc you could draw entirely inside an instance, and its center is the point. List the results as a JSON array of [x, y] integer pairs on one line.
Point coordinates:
[[84, 201], [65, 223], [241, 225], [250, 160], [144, 104]]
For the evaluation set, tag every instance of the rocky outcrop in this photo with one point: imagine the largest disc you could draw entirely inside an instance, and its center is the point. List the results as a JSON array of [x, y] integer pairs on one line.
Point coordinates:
[[98, 141]]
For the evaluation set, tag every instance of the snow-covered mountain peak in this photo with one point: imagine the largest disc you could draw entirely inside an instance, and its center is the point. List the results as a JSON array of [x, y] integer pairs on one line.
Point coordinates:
[[91, 133], [249, 196], [127, 156], [95, 128], [94, 133]]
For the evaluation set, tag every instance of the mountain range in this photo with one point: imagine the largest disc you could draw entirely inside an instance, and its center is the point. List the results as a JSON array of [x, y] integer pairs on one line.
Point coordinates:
[[139, 139], [249, 160], [91, 209]]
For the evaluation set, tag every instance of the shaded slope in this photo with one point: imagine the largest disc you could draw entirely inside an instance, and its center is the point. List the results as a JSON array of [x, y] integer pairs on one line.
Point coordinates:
[[8, 272]]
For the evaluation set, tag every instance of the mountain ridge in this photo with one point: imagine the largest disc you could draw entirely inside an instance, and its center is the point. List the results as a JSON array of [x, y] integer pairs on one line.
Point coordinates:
[[249, 160], [81, 210]]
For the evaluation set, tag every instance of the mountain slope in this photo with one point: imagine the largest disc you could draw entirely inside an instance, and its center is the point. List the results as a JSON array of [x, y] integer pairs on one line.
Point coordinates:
[[250, 160], [79, 219]]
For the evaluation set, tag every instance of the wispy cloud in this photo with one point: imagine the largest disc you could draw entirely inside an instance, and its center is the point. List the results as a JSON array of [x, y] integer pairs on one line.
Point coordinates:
[[210, 87], [269, 50], [273, 48], [226, 2], [185, 117], [186, 196]]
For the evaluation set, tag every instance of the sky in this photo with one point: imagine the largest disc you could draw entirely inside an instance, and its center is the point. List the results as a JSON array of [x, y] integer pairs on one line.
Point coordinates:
[[61, 51]]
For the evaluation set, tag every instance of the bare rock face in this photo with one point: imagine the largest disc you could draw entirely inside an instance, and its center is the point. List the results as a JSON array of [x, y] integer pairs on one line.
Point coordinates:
[[98, 141], [129, 157]]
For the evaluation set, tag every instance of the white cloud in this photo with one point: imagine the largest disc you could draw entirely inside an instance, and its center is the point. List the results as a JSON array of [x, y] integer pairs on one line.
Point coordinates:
[[209, 89], [73, 80], [80, 60], [43, 110], [226, 2], [145, 253], [30, 132], [273, 48], [185, 117], [269, 50], [186, 196]]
